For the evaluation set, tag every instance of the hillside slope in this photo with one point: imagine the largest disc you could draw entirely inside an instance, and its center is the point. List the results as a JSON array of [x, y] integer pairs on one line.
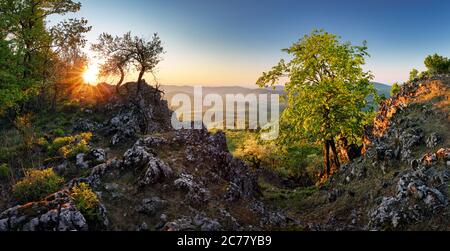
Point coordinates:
[[402, 182], [147, 176]]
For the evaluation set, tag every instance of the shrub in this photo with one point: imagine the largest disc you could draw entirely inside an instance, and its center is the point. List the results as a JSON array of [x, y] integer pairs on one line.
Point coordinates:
[[437, 64], [69, 147], [86, 201], [413, 74], [4, 172], [395, 89], [37, 184], [59, 132]]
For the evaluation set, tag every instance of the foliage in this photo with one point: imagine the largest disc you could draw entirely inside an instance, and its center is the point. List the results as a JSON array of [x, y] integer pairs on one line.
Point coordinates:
[[59, 132], [86, 201], [255, 153], [70, 146], [395, 89], [32, 53], [36, 185], [413, 74], [327, 91], [4, 171], [26, 130], [120, 52], [298, 161], [437, 64]]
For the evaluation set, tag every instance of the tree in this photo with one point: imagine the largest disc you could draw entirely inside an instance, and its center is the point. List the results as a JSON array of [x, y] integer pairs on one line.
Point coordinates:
[[117, 56], [413, 74], [146, 54], [437, 64], [395, 89], [120, 52], [327, 92], [30, 47]]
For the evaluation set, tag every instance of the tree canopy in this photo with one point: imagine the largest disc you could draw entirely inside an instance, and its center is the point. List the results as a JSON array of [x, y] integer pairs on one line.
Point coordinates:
[[437, 64], [327, 92], [121, 52], [32, 53]]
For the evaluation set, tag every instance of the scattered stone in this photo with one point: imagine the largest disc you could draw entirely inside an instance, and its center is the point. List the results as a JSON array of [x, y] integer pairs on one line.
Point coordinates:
[[151, 206], [433, 140]]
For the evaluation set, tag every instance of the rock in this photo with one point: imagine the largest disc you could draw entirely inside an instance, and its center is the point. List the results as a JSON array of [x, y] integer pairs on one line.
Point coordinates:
[[151, 206], [136, 157], [151, 142], [98, 156], [196, 192], [80, 162], [85, 125], [143, 227], [182, 224], [205, 223], [93, 158], [157, 170], [433, 140], [55, 213], [334, 195], [268, 217], [60, 169]]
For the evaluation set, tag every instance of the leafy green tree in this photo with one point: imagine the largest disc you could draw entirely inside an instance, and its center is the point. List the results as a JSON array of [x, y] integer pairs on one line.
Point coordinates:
[[327, 92], [395, 89], [437, 64], [28, 46], [413, 74]]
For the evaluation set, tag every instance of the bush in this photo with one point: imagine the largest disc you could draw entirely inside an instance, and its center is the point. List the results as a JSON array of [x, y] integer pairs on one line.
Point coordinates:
[[437, 64], [4, 172], [59, 132], [395, 89], [86, 201], [37, 184], [413, 74], [69, 147]]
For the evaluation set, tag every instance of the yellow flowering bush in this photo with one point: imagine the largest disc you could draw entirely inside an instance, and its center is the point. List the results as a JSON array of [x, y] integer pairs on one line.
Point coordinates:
[[36, 185]]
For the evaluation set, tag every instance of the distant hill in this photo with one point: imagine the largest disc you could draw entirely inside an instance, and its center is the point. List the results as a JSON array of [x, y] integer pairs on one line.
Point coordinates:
[[171, 90], [383, 89]]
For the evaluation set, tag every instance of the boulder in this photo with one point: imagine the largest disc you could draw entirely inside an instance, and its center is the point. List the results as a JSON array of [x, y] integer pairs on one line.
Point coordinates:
[[55, 213], [151, 206]]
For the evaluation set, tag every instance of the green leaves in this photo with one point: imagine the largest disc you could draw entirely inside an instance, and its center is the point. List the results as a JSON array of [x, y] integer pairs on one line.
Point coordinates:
[[437, 64], [327, 88]]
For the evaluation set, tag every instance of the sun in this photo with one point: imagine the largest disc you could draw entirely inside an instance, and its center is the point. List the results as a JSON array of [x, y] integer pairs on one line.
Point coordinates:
[[90, 75]]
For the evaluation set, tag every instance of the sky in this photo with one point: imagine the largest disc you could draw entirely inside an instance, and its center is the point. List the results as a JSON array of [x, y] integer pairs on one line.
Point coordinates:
[[231, 42]]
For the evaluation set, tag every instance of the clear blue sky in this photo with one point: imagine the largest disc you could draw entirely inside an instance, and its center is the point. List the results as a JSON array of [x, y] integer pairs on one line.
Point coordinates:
[[231, 42]]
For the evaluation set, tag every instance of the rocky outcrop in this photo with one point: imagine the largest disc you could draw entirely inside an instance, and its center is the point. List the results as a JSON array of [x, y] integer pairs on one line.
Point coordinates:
[[203, 147], [399, 135], [55, 213], [133, 115], [140, 156], [419, 194]]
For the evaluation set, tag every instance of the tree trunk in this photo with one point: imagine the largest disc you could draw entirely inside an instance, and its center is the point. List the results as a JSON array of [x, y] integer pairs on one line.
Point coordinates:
[[141, 75], [122, 77], [55, 96], [343, 149], [335, 158], [326, 157]]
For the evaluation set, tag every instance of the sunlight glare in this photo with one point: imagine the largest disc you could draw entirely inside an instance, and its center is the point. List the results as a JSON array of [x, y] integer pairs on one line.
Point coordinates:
[[90, 75]]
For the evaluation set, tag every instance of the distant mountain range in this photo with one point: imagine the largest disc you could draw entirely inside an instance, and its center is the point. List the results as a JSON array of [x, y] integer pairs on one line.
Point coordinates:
[[172, 90]]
